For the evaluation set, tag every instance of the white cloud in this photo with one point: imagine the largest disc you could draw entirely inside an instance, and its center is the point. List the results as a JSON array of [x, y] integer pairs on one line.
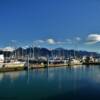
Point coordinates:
[[78, 38], [93, 38], [25, 47], [51, 41], [68, 41], [60, 42], [39, 41], [54, 42], [73, 40], [8, 49]]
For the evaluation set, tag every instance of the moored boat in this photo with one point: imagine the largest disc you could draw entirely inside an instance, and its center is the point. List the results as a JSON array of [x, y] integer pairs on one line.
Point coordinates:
[[74, 62], [14, 64]]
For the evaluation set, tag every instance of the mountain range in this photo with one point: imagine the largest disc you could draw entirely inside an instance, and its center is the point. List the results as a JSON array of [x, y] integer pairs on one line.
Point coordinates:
[[51, 53]]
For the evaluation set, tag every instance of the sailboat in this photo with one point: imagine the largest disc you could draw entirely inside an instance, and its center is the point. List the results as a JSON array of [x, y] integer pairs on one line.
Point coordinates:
[[14, 63], [1, 60], [74, 60]]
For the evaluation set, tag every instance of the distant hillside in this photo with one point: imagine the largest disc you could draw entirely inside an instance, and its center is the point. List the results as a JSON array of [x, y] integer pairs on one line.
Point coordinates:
[[45, 52]]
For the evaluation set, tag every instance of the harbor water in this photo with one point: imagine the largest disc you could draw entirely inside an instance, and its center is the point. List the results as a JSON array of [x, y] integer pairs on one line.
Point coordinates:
[[60, 83]]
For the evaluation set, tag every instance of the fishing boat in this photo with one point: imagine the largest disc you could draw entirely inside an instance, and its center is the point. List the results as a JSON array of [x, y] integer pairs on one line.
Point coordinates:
[[74, 62], [13, 64]]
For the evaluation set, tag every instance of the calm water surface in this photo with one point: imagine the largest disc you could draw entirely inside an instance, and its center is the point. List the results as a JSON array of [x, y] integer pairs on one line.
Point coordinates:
[[62, 83]]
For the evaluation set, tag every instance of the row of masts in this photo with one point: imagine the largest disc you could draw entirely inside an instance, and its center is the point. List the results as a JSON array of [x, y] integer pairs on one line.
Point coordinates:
[[32, 55]]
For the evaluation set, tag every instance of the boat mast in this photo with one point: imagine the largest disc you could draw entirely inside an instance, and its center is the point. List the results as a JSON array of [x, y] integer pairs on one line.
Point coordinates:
[[33, 51]]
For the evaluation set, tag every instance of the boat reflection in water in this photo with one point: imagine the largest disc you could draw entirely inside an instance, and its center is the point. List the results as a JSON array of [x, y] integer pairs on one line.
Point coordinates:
[[14, 75], [58, 83], [1, 76]]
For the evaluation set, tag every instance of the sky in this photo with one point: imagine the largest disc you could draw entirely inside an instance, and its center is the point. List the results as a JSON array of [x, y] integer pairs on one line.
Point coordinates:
[[51, 23]]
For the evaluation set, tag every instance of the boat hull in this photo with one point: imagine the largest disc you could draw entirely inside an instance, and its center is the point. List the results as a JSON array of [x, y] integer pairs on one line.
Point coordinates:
[[13, 65]]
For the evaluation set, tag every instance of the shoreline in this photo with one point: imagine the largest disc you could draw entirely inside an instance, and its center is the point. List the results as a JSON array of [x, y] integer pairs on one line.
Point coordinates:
[[38, 66]]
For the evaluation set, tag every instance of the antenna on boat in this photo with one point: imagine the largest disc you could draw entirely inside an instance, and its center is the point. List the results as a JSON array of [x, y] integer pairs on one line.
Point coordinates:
[[28, 62], [33, 51]]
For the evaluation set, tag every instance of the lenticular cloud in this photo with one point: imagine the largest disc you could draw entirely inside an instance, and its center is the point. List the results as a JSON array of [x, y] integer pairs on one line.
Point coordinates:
[[93, 38]]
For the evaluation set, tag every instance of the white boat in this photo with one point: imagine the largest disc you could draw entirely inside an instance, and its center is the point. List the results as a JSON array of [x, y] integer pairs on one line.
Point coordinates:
[[74, 62], [1, 65], [14, 64], [1, 60]]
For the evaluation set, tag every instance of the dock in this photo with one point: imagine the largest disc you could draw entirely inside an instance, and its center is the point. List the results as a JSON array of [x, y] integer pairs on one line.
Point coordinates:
[[31, 66]]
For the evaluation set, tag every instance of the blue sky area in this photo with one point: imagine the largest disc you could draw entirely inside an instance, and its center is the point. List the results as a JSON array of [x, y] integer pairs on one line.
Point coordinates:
[[61, 20]]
